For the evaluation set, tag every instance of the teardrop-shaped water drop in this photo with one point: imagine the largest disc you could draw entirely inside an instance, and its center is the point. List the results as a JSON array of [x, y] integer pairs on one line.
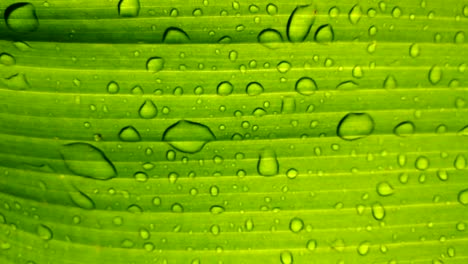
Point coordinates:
[[268, 164], [324, 34], [16, 82], [404, 129], [175, 35], [155, 64], [306, 86], [21, 17], [355, 14], [44, 232], [390, 82], [355, 126], [129, 134], [148, 110], [435, 74], [188, 136]]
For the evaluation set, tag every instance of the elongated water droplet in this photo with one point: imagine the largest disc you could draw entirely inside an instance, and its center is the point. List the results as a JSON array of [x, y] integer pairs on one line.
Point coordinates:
[[300, 22], [363, 248], [404, 129], [384, 189], [355, 126], [378, 211], [21, 17], [355, 14], [129, 8], [286, 257], [414, 50], [16, 82], [254, 89], [224, 88], [267, 163], [347, 85], [130, 134], [463, 197], [7, 60], [390, 82], [249, 224], [80, 199], [44, 232], [272, 9], [155, 64], [460, 162], [270, 38], [324, 34], [187, 136], [148, 110], [311, 244], [86, 160], [435, 74], [306, 86], [175, 35]]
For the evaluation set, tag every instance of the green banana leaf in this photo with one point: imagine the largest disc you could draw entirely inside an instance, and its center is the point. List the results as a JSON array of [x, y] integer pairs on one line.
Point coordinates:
[[145, 131]]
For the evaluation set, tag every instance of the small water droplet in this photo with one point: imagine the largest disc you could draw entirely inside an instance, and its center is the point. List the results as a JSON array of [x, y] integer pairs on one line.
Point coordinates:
[[435, 74], [306, 86], [390, 82], [324, 34], [272, 9], [175, 35], [300, 22], [355, 14], [129, 8], [6, 59], [404, 129], [217, 209], [378, 211], [270, 38], [249, 224], [347, 86], [154, 64], [86, 160], [357, 72], [140, 176], [177, 208], [363, 248], [286, 257], [422, 163], [130, 134], [21, 18], [44, 232], [296, 225], [267, 163], [283, 67], [187, 136], [288, 105], [384, 189], [113, 87], [414, 50], [460, 162], [311, 244], [459, 37], [463, 197], [148, 110], [355, 126], [224, 88], [254, 89]]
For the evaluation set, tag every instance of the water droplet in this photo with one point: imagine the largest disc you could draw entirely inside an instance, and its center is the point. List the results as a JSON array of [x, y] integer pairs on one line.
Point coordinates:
[[311, 244], [296, 225], [442, 174], [148, 110], [286, 257], [270, 38], [306, 86], [334, 12], [396, 12], [378, 211], [460, 162], [404, 129], [86, 160], [435, 74], [355, 126], [129, 8], [215, 230], [7, 60], [355, 14], [177, 208], [283, 67], [187, 136], [249, 224], [155, 64], [459, 37], [81, 200], [21, 17], [324, 34], [414, 50], [363, 248], [292, 173], [384, 189], [357, 72], [347, 85], [175, 35], [233, 55], [16, 82], [173, 177], [44, 232], [422, 163], [224, 88], [217, 209], [113, 87], [130, 134], [254, 89], [288, 105], [390, 82], [272, 9], [144, 234], [463, 197], [140, 176], [22, 46], [267, 163], [300, 22]]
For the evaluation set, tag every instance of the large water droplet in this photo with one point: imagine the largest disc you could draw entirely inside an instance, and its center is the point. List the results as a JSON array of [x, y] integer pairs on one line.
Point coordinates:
[[286, 257], [463, 197], [270, 38], [435, 74], [16, 82], [422, 163], [113, 87], [355, 126], [148, 110], [324, 34], [347, 85], [300, 22], [155, 64], [283, 67], [80, 199], [404, 129], [21, 17], [86, 160], [306, 86], [130, 134], [44, 232], [460, 162], [384, 189], [267, 163], [296, 225], [7, 60], [175, 35], [129, 8], [254, 89], [378, 211], [188, 136], [224, 88], [355, 14]]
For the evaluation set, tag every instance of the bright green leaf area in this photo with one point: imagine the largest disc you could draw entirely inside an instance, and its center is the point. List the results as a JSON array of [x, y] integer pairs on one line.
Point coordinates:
[[145, 131]]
